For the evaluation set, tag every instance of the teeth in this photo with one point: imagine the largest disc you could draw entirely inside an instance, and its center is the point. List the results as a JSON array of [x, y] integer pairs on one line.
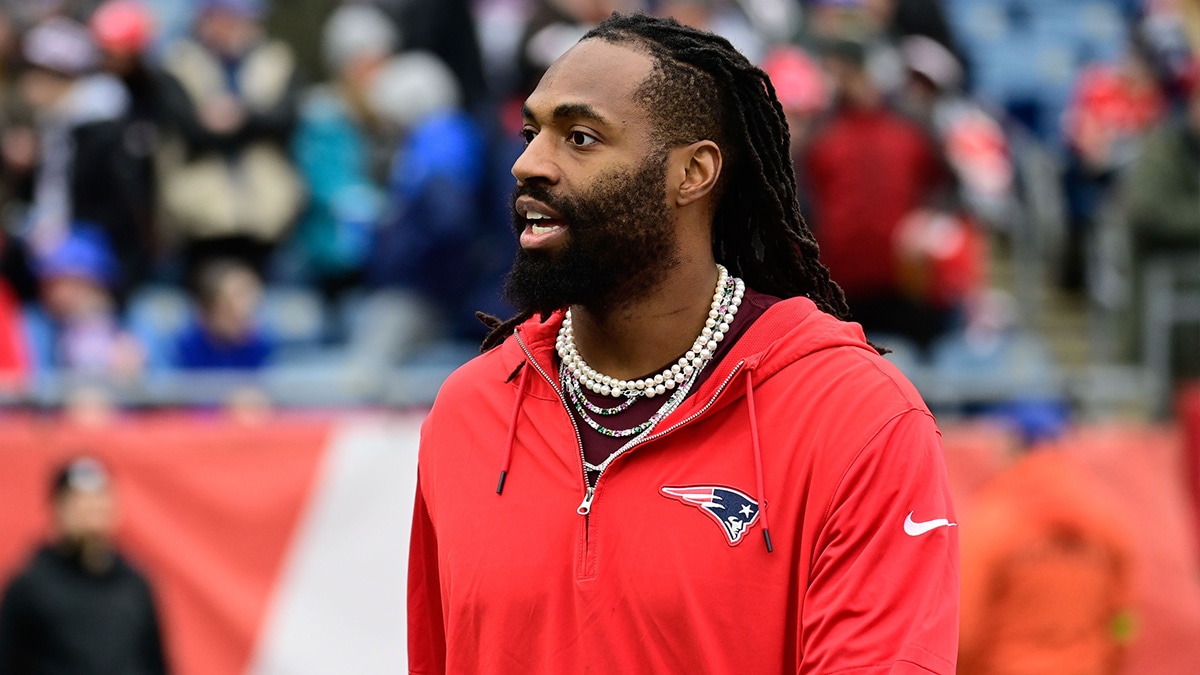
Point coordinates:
[[534, 215], [539, 229]]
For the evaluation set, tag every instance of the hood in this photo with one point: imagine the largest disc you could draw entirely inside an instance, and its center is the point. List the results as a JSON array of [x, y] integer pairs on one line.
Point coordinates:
[[788, 331]]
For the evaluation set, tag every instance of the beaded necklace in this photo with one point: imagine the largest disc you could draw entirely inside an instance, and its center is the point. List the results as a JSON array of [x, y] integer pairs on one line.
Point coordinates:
[[575, 374]]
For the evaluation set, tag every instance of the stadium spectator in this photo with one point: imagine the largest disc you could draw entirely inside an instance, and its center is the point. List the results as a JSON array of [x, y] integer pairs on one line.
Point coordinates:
[[971, 140], [867, 149], [83, 172], [343, 148], [924, 18], [829, 23], [446, 29], [18, 142], [555, 25], [1111, 109], [433, 254], [158, 106], [78, 607], [721, 17], [803, 92], [230, 189], [14, 365], [77, 326], [225, 333], [1162, 199]]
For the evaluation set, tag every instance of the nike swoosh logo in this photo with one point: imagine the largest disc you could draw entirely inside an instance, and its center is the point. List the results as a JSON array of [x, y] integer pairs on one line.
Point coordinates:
[[915, 529]]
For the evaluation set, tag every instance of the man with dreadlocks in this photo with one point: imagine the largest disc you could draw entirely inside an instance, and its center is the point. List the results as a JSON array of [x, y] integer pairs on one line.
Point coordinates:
[[702, 467]]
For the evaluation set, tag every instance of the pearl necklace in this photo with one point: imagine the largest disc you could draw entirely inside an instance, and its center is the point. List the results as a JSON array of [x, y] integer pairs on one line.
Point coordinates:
[[726, 299]]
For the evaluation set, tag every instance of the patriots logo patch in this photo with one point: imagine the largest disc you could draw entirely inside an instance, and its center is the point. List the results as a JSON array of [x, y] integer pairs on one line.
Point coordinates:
[[733, 510]]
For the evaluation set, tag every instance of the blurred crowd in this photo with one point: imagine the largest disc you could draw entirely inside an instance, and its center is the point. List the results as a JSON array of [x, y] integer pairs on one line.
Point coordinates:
[[241, 185]]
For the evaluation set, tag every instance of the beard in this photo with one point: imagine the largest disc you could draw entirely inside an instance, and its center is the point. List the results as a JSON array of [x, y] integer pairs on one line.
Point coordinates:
[[620, 244]]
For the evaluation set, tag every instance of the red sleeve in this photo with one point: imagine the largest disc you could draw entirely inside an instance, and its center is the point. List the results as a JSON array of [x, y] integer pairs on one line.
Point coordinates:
[[426, 632], [883, 590]]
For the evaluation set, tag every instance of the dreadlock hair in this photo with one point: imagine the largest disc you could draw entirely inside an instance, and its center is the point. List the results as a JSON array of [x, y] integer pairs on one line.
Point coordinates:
[[701, 88]]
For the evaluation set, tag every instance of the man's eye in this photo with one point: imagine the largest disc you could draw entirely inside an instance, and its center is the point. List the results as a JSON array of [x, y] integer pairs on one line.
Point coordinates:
[[581, 139], [527, 135]]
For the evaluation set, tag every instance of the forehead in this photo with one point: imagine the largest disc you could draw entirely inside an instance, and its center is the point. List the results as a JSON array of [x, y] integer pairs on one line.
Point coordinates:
[[601, 75]]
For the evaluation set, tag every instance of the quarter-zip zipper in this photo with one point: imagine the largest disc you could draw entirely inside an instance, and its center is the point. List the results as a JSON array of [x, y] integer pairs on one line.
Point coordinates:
[[589, 495], [586, 507]]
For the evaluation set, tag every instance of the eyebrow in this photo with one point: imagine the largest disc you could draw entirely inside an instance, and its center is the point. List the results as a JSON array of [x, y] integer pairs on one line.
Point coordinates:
[[570, 111]]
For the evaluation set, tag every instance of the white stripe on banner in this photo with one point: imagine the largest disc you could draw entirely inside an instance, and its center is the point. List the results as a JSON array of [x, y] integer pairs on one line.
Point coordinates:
[[339, 606]]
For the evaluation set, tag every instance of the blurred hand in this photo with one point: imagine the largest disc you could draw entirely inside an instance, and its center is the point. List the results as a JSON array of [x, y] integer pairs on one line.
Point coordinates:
[[222, 115], [19, 147], [128, 358]]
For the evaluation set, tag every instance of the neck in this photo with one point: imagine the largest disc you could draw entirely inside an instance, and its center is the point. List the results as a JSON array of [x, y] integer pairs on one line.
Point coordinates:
[[638, 338], [94, 556]]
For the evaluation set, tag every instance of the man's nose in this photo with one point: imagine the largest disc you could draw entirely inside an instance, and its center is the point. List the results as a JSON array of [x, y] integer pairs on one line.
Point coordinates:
[[537, 161]]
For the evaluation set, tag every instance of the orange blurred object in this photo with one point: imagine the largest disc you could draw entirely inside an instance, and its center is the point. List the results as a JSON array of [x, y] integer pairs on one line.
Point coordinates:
[[1047, 574]]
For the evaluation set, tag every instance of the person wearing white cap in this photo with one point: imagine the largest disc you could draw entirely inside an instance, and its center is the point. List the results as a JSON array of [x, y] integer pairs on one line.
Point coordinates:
[[78, 607], [82, 171], [342, 147]]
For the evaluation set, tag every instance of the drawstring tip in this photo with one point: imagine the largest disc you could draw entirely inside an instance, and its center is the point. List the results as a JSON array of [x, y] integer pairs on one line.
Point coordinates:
[[767, 537], [500, 486]]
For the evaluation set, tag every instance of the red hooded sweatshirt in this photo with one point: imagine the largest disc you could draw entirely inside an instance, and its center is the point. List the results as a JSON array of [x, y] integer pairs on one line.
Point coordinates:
[[802, 430]]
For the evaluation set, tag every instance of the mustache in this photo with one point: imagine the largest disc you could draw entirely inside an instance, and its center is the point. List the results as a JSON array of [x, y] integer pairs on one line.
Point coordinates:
[[539, 192], [567, 209]]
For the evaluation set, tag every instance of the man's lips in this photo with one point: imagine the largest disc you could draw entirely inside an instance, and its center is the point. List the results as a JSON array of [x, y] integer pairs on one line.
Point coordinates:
[[534, 211], [542, 223]]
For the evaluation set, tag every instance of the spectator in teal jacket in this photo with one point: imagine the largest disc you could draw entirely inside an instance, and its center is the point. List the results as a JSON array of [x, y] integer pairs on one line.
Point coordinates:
[[343, 148]]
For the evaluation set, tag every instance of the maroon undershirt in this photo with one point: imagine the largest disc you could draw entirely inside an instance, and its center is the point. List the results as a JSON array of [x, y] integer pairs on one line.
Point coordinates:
[[597, 447]]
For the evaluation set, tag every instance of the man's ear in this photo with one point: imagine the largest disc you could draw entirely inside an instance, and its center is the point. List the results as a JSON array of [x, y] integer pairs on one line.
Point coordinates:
[[699, 167]]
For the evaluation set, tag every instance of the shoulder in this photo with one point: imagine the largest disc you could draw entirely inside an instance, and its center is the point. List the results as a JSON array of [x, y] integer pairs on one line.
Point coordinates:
[[131, 574], [481, 376], [871, 379], [30, 574], [823, 381], [186, 54], [1169, 139], [830, 358], [273, 57], [479, 394]]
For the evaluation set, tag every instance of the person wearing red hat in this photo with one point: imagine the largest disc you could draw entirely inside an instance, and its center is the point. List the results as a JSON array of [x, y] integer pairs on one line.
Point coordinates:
[[123, 31], [869, 168], [1161, 193], [122, 27], [803, 91]]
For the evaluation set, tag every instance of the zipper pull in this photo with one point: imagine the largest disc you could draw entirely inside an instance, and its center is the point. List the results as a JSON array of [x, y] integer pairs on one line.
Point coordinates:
[[586, 507]]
